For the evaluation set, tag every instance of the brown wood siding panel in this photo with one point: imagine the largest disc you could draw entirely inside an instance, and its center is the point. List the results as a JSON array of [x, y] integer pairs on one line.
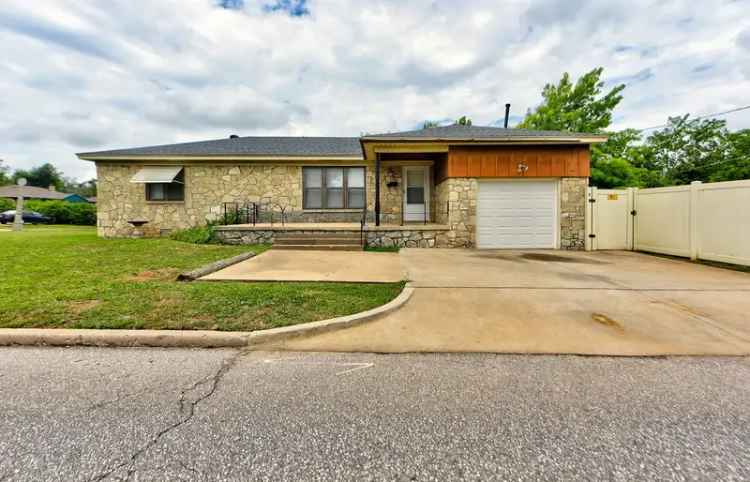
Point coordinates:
[[584, 162], [553, 161], [489, 165], [457, 166], [474, 168]]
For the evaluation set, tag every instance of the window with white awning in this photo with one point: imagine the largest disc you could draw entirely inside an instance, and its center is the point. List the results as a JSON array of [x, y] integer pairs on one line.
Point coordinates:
[[163, 183], [157, 175]]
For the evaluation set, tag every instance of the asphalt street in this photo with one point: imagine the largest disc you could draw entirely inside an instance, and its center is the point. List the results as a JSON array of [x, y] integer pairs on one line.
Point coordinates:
[[170, 414]]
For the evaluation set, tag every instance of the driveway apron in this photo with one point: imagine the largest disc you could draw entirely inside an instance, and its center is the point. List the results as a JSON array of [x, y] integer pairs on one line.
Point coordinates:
[[601, 303]]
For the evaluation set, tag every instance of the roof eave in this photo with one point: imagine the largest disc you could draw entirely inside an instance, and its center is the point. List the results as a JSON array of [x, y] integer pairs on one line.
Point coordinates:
[[176, 157], [494, 140]]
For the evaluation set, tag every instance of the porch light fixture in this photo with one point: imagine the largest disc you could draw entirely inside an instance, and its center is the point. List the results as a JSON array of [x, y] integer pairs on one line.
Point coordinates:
[[522, 168], [390, 178]]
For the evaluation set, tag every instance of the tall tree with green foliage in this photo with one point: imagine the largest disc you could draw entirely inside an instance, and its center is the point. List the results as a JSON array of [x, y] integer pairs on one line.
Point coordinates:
[[737, 164], [428, 123], [4, 174], [462, 121], [579, 107], [687, 149], [45, 176]]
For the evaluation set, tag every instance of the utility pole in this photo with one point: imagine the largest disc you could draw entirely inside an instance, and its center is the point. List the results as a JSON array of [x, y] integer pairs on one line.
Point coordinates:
[[18, 219]]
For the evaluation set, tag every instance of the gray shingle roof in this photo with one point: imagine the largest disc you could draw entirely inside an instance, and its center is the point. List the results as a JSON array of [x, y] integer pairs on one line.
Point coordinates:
[[31, 192], [248, 146], [455, 132], [328, 146]]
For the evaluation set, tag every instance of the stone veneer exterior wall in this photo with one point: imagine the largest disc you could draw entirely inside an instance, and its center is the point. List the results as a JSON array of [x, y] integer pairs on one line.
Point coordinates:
[[456, 200], [207, 187], [573, 212], [453, 203]]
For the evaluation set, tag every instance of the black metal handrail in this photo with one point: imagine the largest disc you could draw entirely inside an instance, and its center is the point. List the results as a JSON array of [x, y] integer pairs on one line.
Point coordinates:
[[240, 213], [362, 221], [251, 212]]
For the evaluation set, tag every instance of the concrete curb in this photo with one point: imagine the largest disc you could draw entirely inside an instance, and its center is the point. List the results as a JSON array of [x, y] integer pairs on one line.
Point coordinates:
[[214, 267], [122, 338], [191, 338], [266, 338]]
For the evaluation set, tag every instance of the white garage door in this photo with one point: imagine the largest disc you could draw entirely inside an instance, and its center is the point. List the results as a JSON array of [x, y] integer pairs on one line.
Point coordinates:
[[517, 214]]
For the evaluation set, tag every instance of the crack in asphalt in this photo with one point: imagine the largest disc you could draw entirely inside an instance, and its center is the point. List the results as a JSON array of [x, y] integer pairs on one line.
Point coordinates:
[[187, 409]]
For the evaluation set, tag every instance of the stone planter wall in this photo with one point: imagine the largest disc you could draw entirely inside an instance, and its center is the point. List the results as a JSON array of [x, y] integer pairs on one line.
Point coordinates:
[[408, 238], [379, 237]]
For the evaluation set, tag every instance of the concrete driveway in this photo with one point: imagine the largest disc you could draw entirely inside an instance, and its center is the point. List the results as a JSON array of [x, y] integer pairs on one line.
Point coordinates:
[[602, 303], [328, 266]]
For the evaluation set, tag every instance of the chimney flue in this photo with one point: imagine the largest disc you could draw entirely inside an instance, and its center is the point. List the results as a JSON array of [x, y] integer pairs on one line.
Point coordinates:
[[507, 114]]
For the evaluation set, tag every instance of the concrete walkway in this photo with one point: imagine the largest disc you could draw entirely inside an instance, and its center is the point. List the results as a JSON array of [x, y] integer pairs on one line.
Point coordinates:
[[603, 303], [289, 265]]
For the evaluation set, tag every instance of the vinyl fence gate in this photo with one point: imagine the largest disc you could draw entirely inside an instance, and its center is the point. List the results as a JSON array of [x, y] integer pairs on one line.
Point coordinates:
[[700, 221]]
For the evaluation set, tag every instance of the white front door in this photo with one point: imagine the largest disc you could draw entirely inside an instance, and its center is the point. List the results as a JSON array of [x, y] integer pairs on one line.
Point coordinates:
[[517, 214], [416, 193]]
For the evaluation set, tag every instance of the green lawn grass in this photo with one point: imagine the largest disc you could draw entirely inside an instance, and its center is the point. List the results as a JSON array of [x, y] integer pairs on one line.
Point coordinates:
[[66, 277]]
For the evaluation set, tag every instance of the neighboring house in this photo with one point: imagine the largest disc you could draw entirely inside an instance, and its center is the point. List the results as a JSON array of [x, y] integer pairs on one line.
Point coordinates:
[[466, 185], [33, 192]]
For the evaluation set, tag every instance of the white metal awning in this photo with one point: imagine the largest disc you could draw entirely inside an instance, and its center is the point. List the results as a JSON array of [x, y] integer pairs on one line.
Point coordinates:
[[156, 174]]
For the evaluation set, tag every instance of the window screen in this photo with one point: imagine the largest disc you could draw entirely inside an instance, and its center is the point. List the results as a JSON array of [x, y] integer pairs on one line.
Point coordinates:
[[333, 187]]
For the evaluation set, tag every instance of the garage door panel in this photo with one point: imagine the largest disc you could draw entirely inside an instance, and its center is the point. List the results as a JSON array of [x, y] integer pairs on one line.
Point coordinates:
[[516, 214]]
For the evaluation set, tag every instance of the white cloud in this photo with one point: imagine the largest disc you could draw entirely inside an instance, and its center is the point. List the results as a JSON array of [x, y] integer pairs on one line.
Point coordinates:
[[79, 75]]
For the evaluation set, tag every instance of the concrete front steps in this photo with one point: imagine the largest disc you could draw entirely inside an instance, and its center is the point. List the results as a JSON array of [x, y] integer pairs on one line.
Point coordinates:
[[334, 241]]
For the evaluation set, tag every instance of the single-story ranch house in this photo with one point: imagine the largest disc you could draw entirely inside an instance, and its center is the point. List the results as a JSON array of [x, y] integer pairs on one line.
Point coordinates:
[[452, 186]]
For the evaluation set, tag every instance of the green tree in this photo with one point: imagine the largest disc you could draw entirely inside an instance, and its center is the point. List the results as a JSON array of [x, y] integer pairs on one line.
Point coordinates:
[[4, 174], [462, 121], [688, 149], [610, 165], [578, 107], [428, 123], [85, 188], [42, 176], [737, 164]]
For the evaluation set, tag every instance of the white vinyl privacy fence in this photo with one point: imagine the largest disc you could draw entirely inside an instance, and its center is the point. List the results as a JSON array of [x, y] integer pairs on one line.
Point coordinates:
[[701, 221]]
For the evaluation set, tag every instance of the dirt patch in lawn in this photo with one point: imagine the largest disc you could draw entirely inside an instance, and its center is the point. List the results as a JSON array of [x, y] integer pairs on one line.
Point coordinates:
[[78, 307], [163, 274]]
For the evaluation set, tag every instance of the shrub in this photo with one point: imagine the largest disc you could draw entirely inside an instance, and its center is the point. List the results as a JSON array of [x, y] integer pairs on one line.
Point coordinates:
[[63, 212], [6, 204], [195, 235]]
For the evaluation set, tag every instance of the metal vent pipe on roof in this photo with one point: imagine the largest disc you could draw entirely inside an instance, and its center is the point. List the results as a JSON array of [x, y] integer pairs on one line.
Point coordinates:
[[507, 114], [234, 136]]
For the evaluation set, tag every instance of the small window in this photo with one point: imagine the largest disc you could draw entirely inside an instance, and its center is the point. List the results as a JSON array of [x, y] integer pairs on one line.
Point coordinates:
[[333, 187], [167, 191]]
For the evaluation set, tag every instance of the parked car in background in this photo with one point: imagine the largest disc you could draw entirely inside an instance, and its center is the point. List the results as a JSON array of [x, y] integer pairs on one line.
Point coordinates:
[[30, 217]]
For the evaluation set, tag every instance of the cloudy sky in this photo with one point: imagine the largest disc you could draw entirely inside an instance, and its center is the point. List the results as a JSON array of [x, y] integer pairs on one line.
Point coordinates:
[[82, 75]]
